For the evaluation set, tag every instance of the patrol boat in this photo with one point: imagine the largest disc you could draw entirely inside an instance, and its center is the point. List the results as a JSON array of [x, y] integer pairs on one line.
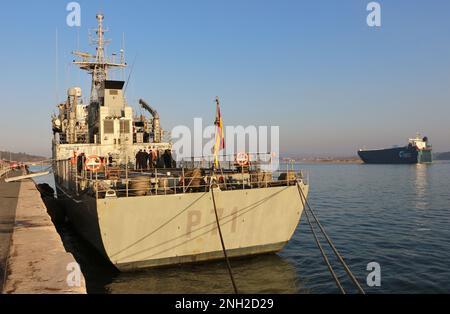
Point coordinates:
[[418, 150], [162, 213]]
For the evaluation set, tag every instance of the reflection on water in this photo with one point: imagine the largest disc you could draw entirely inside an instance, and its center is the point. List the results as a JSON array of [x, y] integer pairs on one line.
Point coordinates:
[[421, 198], [421, 185], [263, 274]]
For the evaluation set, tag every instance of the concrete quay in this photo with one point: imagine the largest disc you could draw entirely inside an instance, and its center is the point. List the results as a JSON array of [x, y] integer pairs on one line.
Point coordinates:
[[32, 256], [8, 203]]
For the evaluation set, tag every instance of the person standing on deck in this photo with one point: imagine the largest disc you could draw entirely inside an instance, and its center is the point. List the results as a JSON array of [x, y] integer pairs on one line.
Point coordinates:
[[167, 159], [150, 159], [136, 164], [139, 160], [155, 158], [81, 161], [145, 157], [110, 160], [159, 160]]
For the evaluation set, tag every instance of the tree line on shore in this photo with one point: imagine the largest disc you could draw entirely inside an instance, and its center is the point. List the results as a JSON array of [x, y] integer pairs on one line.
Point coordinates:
[[20, 157]]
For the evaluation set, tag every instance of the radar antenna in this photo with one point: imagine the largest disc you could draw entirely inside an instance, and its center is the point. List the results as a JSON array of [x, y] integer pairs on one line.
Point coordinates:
[[97, 65]]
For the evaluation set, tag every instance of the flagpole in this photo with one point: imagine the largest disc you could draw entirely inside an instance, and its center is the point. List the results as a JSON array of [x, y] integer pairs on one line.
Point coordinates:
[[215, 137], [219, 144]]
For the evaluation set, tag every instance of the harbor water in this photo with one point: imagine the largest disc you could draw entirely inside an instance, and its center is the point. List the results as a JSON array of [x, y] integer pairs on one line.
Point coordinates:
[[395, 215]]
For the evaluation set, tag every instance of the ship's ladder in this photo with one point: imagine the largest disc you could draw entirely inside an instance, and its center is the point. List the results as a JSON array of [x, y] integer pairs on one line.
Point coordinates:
[[312, 218]]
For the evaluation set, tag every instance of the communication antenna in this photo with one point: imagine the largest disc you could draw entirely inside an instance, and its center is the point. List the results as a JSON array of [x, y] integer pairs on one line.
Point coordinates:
[[122, 55], [56, 66], [68, 77], [78, 49], [129, 75]]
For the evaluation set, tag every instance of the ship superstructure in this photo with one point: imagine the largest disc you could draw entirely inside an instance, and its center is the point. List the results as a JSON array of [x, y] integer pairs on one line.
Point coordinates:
[[106, 126], [124, 193]]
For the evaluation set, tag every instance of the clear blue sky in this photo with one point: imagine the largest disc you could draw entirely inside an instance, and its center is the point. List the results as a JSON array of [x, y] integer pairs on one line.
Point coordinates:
[[314, 68]]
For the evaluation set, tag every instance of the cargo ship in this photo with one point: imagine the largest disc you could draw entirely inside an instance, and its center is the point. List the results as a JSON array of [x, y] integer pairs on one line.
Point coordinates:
[[162, 211], [418, 150]]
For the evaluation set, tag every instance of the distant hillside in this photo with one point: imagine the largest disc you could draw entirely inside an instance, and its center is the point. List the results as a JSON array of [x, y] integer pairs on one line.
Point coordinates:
[[442, 156], [20, 157]]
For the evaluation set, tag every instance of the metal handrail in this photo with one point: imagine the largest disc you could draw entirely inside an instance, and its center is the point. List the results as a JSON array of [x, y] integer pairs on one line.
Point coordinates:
[[177, 187], [164, 181], [5, 171]]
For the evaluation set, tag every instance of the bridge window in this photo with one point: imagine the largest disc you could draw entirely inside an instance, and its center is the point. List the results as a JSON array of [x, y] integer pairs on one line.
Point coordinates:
[[124, 126], [108, 127]]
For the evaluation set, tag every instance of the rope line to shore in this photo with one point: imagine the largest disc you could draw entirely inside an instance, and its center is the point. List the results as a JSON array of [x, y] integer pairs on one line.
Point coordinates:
[[330, 243], [222, 241], [325, 258]]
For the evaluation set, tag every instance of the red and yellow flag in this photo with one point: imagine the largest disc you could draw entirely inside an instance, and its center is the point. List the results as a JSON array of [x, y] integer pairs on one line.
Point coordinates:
[[220, 139]]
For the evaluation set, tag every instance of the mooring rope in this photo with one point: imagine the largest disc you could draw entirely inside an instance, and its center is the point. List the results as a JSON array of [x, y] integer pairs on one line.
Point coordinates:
[[336, 252], [222, 241], [325, 258]]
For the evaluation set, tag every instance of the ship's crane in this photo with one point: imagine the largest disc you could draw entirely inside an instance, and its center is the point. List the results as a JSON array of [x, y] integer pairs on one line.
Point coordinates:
[[156, 121]]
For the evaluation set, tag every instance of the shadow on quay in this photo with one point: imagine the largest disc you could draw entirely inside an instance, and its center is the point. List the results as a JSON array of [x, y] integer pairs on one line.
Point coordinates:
[[9, 196]]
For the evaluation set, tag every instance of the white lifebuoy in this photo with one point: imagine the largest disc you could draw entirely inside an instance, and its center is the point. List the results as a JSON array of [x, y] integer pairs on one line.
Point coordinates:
[[93, 163], [242, 159]]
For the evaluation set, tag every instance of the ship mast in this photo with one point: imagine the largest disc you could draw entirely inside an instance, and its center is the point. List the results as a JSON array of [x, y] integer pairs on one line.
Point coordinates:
[[98, 65]]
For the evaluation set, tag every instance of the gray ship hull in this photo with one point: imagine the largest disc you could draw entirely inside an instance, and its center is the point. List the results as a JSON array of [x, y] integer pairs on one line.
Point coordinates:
[[155, 231]]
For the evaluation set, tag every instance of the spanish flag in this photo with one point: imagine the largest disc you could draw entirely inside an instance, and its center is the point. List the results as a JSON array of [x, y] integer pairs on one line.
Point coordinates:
[[220, 140]]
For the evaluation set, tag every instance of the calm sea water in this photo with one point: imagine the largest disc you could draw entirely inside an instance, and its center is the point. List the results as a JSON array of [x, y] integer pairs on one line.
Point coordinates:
[[395, 215]]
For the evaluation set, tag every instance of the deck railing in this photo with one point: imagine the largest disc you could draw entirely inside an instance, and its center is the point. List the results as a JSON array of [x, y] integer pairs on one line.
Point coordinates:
[[4, 170], [126, 181]]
